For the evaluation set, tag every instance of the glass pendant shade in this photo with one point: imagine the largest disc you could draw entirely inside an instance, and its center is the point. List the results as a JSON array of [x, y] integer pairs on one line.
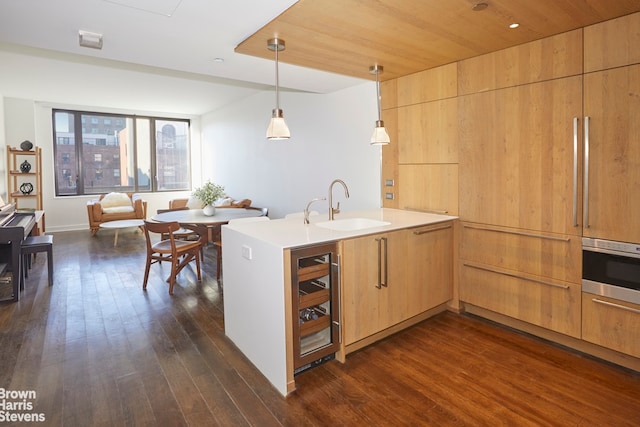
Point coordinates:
[[277, 127], [380, 135]]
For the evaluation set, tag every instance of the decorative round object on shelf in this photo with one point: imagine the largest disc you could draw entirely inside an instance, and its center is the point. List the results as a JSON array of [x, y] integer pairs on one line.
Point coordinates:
[[26, 145], [26, 188], [25, 167]]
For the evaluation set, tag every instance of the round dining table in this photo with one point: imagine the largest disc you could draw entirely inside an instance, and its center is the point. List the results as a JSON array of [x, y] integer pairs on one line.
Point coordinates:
[[195, 219]]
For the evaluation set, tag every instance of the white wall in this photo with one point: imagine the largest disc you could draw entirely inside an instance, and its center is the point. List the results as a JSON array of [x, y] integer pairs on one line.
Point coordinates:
[[329, 139]]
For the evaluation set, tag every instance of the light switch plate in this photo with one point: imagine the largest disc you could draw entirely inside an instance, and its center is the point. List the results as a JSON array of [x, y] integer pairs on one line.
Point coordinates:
[[246, 252]]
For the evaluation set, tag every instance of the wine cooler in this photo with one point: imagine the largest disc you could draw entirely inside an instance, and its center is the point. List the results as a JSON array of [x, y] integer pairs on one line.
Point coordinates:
[[316, 305]]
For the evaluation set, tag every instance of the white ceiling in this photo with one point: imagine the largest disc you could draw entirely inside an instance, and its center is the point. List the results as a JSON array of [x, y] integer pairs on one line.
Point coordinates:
[[174, 35]]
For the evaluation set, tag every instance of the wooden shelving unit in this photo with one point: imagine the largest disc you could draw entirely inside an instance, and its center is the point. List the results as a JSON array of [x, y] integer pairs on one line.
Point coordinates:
[[18, 177]]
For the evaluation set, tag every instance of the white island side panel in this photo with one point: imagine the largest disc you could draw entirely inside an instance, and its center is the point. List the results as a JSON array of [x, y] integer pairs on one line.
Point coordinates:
[[254, 310]]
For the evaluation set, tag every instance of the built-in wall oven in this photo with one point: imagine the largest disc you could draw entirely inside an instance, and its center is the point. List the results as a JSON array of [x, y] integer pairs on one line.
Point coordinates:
[[611, 269]]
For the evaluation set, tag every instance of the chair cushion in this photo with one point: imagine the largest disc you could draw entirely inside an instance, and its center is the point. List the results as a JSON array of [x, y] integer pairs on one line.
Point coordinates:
[[195, 203], [116, 200], [225, 202], [45, 239], [118, 209]]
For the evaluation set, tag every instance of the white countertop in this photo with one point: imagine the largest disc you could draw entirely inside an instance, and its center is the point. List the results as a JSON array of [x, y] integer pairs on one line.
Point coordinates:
[[292, 232]]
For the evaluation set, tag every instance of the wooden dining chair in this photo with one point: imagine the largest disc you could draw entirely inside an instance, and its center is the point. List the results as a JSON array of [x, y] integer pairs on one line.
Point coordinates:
[[184, 233], [177, 252]]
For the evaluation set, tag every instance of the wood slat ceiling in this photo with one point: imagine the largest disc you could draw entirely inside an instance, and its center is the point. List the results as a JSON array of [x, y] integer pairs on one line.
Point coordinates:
[[406, 36]]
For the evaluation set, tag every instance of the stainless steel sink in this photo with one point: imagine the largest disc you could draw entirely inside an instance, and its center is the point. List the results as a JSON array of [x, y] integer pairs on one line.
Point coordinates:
[[351, 224]]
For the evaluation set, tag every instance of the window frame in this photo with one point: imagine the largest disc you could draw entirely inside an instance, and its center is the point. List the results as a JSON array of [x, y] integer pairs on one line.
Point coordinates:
[[117, 120]]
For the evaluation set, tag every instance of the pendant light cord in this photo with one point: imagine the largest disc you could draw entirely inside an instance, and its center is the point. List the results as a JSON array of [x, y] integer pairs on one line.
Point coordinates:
[[378, 91], [277, 81]]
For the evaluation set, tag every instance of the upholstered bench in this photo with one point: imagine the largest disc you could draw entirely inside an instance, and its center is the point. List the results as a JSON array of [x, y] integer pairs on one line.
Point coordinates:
[[32, 245]]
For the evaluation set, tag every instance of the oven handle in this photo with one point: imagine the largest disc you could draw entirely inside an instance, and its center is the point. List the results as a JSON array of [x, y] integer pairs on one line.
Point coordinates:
[[611, 304], [611, 252]]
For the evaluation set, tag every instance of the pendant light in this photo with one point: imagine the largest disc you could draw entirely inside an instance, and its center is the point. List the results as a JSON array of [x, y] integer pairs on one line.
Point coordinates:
[[380, 135], [277, 127]]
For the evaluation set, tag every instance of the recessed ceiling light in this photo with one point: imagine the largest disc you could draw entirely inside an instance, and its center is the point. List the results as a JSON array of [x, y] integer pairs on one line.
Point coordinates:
[[514, 25], [218, 59], [479, 6]]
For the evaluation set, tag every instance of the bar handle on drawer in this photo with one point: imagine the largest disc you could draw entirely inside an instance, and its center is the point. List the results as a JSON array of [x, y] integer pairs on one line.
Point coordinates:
[[517, 276], [611, 304], [520, 233], [430, 230], [586, 172], [575, 171]]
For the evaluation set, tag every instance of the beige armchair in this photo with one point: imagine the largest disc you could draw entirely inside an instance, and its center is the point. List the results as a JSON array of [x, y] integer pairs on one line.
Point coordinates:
[[114, 207]]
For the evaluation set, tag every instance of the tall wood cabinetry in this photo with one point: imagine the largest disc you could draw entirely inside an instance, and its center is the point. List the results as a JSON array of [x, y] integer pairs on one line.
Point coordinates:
[[519, 179], [529, 187], [612, 176], [25, 177], [612, 106], [392, 277], [420, 167]]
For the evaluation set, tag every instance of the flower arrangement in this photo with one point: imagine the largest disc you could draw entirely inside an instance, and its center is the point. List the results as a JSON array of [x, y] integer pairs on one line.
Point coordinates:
[[209, 193]]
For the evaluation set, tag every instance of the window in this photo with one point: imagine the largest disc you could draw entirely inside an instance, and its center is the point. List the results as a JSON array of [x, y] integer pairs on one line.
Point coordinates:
[[134, 153]]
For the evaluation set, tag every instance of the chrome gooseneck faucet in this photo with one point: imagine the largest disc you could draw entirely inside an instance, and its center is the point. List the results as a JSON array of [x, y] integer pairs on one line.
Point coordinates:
[[306, 210], [333, 211]]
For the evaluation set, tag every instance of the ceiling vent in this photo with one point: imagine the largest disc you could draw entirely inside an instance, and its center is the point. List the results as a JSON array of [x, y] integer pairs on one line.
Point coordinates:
[[89, 39]]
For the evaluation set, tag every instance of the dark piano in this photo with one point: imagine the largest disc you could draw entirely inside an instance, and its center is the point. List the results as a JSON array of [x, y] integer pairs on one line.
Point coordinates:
[[14, 227]]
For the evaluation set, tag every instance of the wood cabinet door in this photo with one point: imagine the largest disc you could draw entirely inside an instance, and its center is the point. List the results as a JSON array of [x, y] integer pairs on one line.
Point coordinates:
[[612, 43], [548, 256], [429, 188], [429, 267], [428, 132], [611, 323], [612, 103], [517, 156], [554, 305], [374, 284], [360, 291]]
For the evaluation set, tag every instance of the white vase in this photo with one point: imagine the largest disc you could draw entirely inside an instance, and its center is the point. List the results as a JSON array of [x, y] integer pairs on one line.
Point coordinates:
[[209, 210]]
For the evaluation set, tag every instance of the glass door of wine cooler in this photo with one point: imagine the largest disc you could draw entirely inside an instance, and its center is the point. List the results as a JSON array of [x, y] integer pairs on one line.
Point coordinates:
[[316, 321]]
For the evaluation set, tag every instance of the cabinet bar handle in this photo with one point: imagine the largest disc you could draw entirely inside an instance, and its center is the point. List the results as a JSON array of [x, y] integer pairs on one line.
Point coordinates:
[[420, 232], [520, 233], [436, 211], [611, 304], [338, 307], [575, 171], [386, 263], [517, 276], [379, 285], [586, 172]]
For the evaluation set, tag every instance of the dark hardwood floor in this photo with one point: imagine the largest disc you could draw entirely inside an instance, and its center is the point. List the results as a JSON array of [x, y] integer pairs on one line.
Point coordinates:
[[98, 351]]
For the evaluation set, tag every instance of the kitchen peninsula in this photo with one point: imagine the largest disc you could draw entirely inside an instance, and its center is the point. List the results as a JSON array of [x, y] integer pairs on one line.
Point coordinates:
[[377, 253]]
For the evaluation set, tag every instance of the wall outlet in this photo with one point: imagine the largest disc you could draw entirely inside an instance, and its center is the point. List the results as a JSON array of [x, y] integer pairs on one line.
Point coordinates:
[[246, 252]]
